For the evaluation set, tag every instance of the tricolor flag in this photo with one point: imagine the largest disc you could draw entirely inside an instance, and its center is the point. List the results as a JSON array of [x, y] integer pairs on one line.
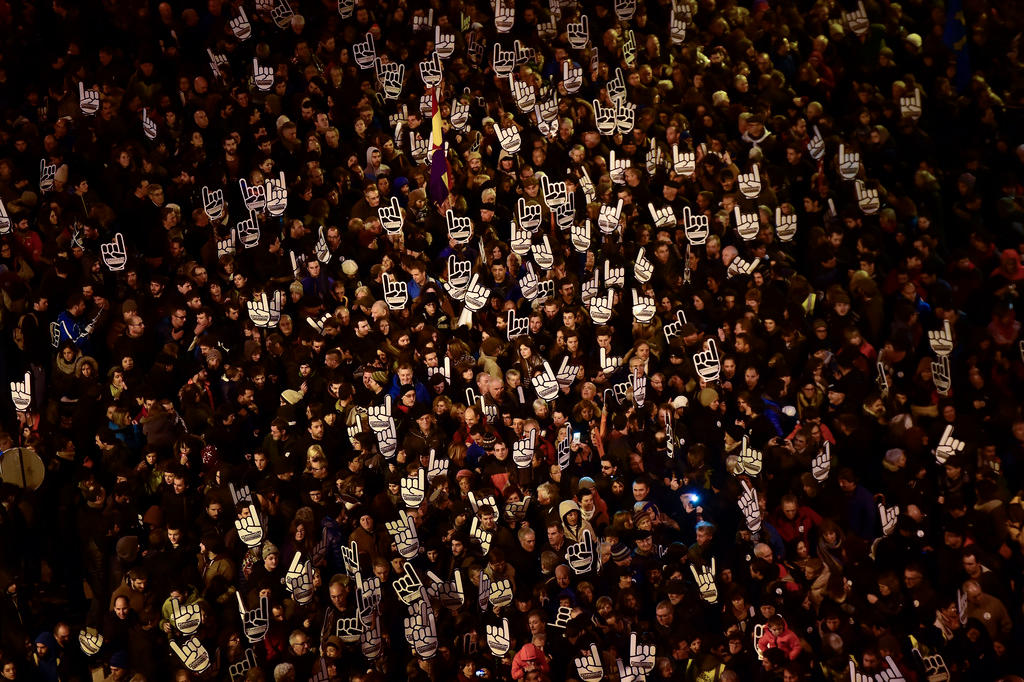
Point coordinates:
[[440, 173]]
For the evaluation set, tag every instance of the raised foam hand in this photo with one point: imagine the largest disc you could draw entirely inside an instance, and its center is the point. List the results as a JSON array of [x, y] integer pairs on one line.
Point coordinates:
[[849, 163], [750, 183], [88, 100], [504, 15], [193, 654], [113, 254], [785, 225], [589, 667], [578, 33], [396, 292], [696, 226], [498, 638], [750, 509], [640, 655], [705, 580]]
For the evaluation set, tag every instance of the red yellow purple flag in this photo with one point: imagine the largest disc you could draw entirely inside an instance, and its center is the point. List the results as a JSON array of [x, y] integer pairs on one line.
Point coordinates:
[[440, 173]]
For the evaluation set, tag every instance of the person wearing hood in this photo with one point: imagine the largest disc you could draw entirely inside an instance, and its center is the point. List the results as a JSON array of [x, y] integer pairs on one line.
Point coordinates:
[[374, 165], [573, 523], [46, 658], [527, 659]]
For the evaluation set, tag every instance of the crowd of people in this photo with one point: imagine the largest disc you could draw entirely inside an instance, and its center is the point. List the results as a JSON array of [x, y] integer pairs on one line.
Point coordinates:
[[582, 340]]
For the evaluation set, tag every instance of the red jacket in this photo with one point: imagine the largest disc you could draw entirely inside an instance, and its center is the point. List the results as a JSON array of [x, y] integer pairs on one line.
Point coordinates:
[[787, 642]]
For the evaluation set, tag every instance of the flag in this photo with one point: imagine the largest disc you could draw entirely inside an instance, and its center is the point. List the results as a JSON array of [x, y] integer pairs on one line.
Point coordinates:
[[440, 173], [954, 36]]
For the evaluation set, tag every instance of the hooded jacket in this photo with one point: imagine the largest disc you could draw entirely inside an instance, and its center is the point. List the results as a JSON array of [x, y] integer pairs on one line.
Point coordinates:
[[573, 534]]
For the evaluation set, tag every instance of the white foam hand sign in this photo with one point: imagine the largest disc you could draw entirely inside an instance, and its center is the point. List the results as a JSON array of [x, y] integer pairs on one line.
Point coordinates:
[[617, 168], [785, 225], [750, 509], [504, 15], [608, 217], [677, 27], [459, 272], [255, 622], [889, 516], [629, 673], [365, 53], [542, 254], [321, 249], [459, 117], [857, 676], [643, 307], [509, 138], [349, 629], [555, 193], [350, 558], [276, 192], [281, 13], [675, 328], [408, 586], [380, 414], [910, 104], [530, 215], [696, 226], [581, 554], [655, 159], [90, 641], [213, 203], [941, 341], [705, 580], [750, 183], [640, 655], [503, 61], [608, 363], [663, 217], [240, 26], [822, 463], [589, 289], [589, 667], [406, 537], [849, 163], [47, 174], [961, 606], [396, 292], [498, 638], [451, 593], [88, 100], [368, 596], [263, 313], [857, 20], [524, 54], [476, 294], [413, 488], [578, 33], [625, 9], [572, 77], [5, 220], [516, 326], [601, 307], [193, 654], [750, 459], [625, 117], [935, 668], [387, 439], [706, 362], [525, 98], [114, 254], [444, 42], [629, 49], [391, 76], [639, 383], [523, 449], [740, 267], [546, 383], [250, 530], [941, 375], [816, 145], [519, 241], [579, 235], [948, 445], [148, 125], [253, 196], [501, 593], [867, 198], [248, 230], [643, 268], [890, 674], [483, 536], [431, 70], [562, 617], [187, 618], [587, 184], [422, 22], [517, 508], [747, 224], [604, 119], [614, 276], [240, 493], [529, 284], [683, 163], [21, 393]]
